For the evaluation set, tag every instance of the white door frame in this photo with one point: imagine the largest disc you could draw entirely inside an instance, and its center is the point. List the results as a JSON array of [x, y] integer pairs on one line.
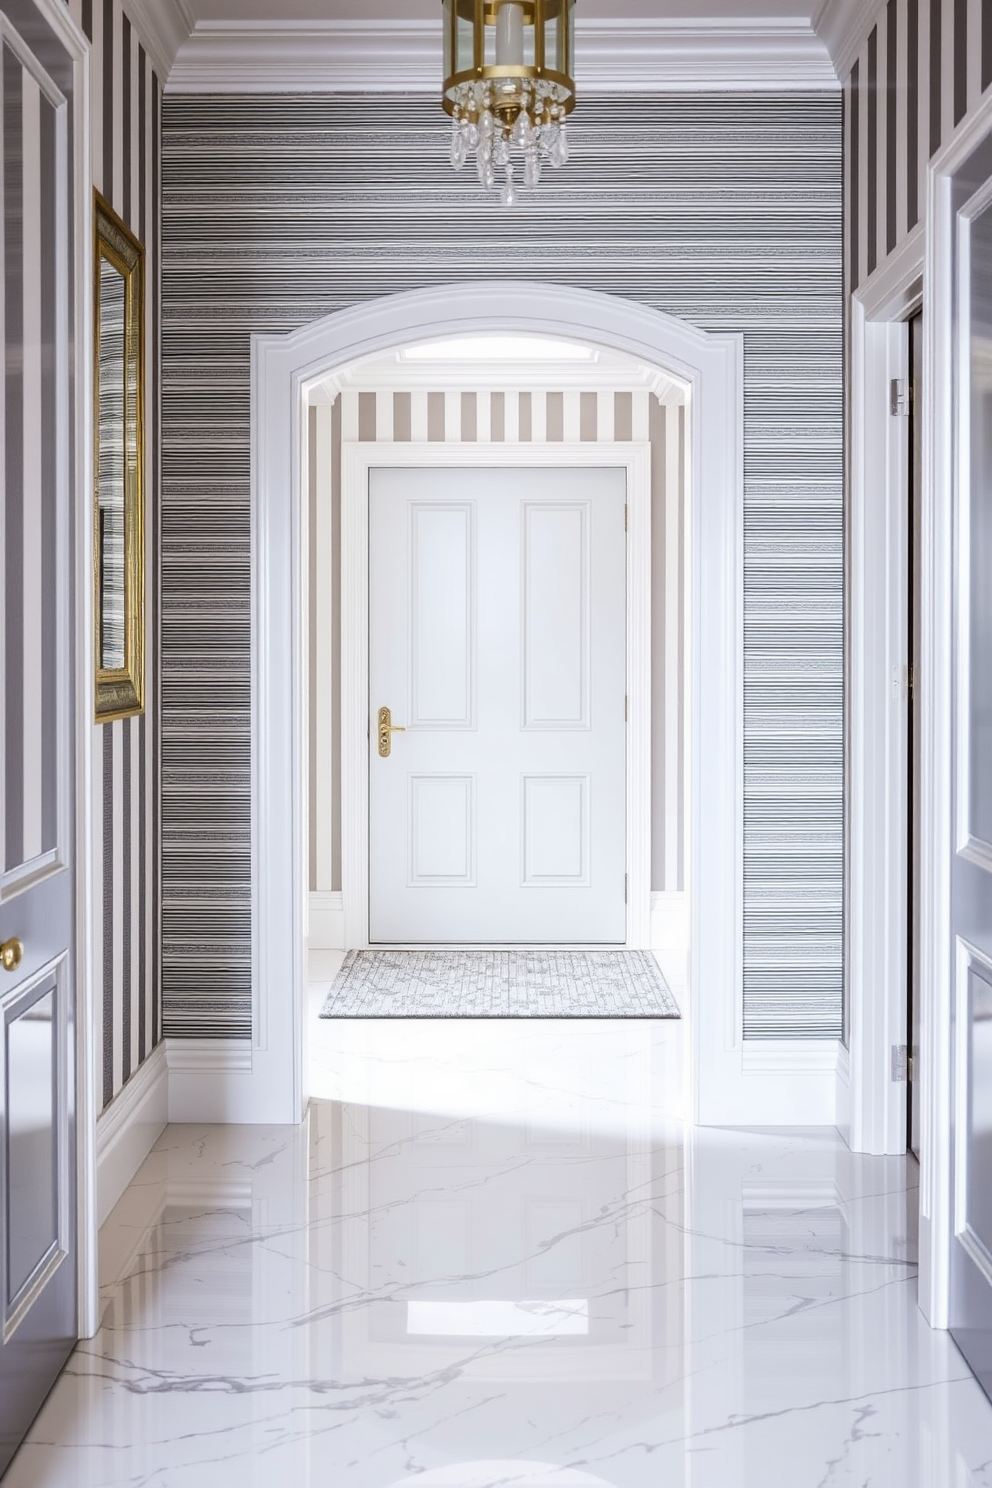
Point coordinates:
[[938, 837], [357, 462], [871, 1104], [271, 1086]]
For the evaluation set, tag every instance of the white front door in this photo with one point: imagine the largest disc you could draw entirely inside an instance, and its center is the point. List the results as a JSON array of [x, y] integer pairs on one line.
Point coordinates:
[[498, 643]]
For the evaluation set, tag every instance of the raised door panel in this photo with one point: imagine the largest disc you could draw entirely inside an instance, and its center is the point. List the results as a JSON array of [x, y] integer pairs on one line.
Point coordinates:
[[442, 616], [557, 619], [556, 831]]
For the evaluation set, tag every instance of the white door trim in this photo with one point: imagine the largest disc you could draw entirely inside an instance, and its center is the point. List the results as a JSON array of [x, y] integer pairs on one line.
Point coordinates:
[[80, 544], [357, 461], [284, 369], [937, 836], [871, 1106]]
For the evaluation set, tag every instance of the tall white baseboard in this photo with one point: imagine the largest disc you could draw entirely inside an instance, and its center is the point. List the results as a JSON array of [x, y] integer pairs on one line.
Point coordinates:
[[326, 922], [210, 1083], [128, 1130], [670, 922]]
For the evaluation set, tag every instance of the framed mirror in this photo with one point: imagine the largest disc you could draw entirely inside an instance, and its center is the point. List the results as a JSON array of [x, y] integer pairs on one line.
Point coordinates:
[[119, 457]]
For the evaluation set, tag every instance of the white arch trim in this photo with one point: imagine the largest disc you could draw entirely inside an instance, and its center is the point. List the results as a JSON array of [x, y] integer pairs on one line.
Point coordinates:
[[270, 1085]]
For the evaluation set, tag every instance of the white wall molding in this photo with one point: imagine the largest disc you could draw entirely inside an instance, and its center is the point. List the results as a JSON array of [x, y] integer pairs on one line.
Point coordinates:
[[164, 27], [844, 27], [326, 922], [791, 1081], [670, 921], [335, 56], [607, 373], [284, 369], [128, 1130], [210, 1081], [872, 1109]]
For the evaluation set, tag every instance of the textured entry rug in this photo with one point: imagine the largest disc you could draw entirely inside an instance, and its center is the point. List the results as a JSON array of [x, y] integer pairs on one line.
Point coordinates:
[[500, 984]]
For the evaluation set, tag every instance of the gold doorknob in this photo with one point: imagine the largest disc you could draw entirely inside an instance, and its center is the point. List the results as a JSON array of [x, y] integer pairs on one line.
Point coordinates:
[[11, 954], [387, 728]]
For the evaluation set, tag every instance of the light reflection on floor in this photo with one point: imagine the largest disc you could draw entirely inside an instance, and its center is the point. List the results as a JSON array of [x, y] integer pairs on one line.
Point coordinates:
[[496, 1259]]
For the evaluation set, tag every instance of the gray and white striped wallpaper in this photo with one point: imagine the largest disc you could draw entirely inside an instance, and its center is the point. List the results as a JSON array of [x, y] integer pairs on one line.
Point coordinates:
[[722, 209], [925, 66], [126, 144], [510, 417]]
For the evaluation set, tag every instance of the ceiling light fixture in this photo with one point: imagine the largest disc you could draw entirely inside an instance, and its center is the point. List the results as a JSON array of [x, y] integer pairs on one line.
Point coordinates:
[[509, 86]]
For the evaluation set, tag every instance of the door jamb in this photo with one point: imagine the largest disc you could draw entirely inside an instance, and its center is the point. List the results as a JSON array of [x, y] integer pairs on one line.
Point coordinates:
[[871, 1105], [358, 459]]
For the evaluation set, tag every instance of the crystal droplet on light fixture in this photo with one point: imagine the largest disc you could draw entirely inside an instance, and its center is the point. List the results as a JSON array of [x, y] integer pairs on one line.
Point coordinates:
[[509, 194], [532, 168]]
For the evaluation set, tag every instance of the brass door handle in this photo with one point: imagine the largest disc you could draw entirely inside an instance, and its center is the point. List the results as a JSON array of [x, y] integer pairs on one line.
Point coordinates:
[[387, 728], [11, 954]]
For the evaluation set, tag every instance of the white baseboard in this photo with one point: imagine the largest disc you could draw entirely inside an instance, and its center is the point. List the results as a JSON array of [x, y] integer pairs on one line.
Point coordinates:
[[129, 1128], [326, 922], [670, 922], [210, 1082], [787, 1082]]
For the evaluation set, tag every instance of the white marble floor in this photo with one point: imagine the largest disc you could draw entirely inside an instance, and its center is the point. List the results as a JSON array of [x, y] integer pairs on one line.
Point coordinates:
[[503, 1263]]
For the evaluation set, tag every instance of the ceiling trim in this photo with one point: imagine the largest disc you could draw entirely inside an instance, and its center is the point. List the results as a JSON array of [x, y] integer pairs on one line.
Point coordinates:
[[845, 26], [163, 26], [387, 57], [393, 375]]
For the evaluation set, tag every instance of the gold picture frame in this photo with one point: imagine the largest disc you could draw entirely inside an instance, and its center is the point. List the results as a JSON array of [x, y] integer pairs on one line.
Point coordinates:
[[118, 466]]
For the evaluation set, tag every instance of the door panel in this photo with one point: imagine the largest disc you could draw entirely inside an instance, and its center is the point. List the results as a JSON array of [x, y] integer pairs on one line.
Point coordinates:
[[971, 902], [498, 640], [37, 1115]]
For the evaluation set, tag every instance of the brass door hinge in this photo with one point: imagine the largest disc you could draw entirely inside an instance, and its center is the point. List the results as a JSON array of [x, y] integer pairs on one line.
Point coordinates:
[[900, 397], [626, 885], [626, 517]]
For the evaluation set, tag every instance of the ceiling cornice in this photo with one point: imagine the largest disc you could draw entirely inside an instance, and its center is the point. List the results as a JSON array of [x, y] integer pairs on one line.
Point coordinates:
[[618, 56], [844, 27], [164, 26]]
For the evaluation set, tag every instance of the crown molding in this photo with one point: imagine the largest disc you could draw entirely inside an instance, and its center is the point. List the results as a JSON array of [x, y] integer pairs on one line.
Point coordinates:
[[387, 57], [844, 27], [164, 27], [392, 375]]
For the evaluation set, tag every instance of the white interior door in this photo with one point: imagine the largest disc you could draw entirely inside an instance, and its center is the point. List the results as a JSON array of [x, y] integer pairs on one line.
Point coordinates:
[[971, 874], [498, 643], [37, 872]]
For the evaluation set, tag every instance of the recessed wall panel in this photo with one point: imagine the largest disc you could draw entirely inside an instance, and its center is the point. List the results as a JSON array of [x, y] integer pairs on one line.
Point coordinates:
[[442, 602], [979, 1143], [32, 1136], [979, 719], [556, 830], [442, 830], [556, 622]]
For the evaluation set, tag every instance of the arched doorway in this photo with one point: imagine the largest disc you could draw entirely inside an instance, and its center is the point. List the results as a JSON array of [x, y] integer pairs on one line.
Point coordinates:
[[284, 368]]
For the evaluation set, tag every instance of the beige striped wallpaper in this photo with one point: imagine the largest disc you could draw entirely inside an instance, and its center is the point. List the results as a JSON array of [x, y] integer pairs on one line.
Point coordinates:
[[508, 417]]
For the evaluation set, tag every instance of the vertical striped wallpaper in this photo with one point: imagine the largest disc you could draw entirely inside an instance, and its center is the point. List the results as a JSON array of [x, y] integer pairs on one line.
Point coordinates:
[[924, 67], [511, 417], [126, 143], [724, 209], [35, 271]]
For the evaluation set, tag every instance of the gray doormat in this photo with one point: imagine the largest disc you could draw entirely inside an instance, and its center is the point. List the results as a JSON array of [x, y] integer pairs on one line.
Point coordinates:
[[500, 984]]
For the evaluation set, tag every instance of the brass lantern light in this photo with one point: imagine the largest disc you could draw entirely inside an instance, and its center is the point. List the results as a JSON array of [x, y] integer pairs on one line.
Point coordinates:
[[509, 86]]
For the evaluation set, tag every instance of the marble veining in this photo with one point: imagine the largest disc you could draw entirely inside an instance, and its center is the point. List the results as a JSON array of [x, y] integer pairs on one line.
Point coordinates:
[[511, 1270]]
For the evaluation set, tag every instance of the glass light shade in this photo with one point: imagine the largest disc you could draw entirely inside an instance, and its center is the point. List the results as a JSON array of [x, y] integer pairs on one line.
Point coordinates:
[[509, 86]]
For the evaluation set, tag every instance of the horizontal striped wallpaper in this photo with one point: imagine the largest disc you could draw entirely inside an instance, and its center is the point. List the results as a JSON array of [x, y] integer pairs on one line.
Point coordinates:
[[126, 144], [924, 67], [722, 209], [511, 417]]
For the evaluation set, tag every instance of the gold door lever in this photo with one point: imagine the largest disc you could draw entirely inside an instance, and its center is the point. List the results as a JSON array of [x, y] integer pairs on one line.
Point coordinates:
[[387, 728], [11, 954]]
